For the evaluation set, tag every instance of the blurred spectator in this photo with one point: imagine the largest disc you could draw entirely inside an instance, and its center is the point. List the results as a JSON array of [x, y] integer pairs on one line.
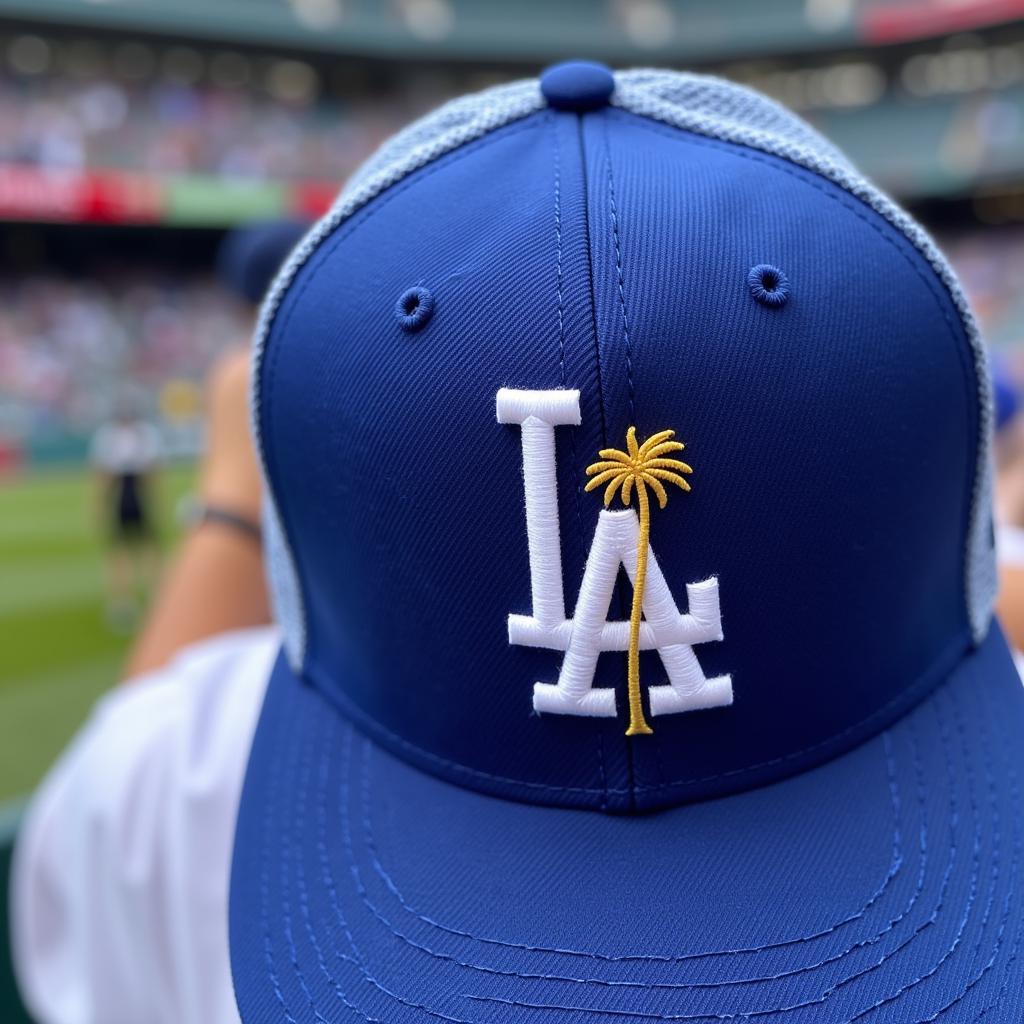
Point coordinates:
[[216, 581], [988, 261], [125, 454], [68, 346]]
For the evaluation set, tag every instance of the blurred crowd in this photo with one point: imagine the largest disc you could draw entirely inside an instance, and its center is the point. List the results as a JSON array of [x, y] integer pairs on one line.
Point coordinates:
[[68, 341], [988, 262], [170, 128], [65, 341], [70, 347], [184, 111]]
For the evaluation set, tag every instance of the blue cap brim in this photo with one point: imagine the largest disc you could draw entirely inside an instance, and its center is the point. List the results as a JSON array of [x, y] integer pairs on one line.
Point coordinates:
[[885, 885]]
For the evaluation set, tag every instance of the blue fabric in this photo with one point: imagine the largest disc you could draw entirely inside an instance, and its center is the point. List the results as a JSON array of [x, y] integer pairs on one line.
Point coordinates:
[[832, 440], [578, 85], [1005, 392], [250, 256], [882, 886]]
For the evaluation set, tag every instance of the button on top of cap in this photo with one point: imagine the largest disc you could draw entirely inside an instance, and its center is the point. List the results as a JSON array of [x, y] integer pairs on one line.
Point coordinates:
[[577, 85]]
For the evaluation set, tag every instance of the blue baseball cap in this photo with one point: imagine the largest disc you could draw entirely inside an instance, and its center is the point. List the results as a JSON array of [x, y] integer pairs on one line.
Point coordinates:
[[629, 527]]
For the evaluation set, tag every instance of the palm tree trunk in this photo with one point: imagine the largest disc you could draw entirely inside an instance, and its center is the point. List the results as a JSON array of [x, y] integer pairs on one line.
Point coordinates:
[[637, 723]]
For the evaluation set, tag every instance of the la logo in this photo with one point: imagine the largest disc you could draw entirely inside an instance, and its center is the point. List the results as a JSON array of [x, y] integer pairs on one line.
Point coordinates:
[[621, 539]]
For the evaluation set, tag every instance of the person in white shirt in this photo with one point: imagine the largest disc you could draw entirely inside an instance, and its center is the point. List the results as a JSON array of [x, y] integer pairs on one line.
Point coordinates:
[[125, 454], [120, 882]]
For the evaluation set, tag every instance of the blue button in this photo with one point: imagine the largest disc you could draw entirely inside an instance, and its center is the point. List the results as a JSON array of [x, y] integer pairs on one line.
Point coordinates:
[[577, 85]]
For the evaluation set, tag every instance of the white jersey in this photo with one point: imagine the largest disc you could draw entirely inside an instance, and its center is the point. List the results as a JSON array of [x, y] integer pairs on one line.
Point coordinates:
[[122, 448], [120, 881]]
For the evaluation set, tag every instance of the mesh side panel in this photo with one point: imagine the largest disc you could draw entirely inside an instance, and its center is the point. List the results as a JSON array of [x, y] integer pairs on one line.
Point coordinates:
[[283, 583], [721, 110], [697, 103], [717, 107]]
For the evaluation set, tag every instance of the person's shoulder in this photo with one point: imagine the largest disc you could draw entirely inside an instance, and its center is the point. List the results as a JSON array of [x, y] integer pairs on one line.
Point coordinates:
[[236, 660], [201, 706], [153, 737], [138, 815]]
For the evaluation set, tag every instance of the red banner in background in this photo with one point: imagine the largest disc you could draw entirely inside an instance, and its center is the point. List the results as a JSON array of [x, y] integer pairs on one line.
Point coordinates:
[[905, 20], [30, 193], [113, 197], [312, 199]]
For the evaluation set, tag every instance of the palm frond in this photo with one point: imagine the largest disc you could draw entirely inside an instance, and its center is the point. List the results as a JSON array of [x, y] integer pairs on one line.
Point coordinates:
[[664, 448], [615, 455], [669, 477], [656, 486], [605, 476], [634, 448], [609, 491], [655, 439], [674, 464], [597, 467]]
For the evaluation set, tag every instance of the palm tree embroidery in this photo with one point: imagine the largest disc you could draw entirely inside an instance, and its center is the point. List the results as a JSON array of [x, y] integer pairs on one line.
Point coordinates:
[[642, 466]]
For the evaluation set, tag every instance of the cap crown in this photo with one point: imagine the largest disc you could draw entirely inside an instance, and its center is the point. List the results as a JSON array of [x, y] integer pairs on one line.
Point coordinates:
[[837, 442]]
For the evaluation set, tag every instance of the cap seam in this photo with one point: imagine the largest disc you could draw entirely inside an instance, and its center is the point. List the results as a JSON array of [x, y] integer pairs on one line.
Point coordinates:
[[563, 379], [655, 746], [589, 253], [619, 595]]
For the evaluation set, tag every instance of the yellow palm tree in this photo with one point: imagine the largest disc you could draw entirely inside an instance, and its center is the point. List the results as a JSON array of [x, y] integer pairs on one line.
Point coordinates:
[[641, 466]]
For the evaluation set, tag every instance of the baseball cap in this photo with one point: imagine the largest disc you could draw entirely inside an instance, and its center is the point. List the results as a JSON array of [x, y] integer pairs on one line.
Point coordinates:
[[571, 722]]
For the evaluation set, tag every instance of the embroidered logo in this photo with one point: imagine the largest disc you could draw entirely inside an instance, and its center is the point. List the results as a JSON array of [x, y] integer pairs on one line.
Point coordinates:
[[622, 538]]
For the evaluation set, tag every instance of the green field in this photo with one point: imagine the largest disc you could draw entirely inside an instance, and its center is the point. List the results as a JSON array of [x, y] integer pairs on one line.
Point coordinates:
[[57, 652]]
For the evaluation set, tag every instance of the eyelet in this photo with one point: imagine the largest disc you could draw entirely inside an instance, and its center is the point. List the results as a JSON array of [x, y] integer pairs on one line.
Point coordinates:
[[414, 308], [768, 285]]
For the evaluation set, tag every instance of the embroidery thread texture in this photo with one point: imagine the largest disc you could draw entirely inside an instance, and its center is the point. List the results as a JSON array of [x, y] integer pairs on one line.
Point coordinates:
[[641, 466], [620, 539]]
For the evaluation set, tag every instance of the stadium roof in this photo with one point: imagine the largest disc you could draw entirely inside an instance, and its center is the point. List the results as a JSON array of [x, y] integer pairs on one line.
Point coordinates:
[[672, 31]]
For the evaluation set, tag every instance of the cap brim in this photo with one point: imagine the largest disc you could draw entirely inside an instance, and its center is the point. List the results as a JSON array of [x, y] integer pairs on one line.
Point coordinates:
[[885, 885]]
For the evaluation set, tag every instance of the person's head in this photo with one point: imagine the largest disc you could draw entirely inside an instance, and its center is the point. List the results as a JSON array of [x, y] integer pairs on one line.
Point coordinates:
[[128, 407], [250, 256]]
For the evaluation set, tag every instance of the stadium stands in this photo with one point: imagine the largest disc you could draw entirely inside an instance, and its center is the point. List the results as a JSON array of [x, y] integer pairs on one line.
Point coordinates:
[[165, 124], [70, 347]]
